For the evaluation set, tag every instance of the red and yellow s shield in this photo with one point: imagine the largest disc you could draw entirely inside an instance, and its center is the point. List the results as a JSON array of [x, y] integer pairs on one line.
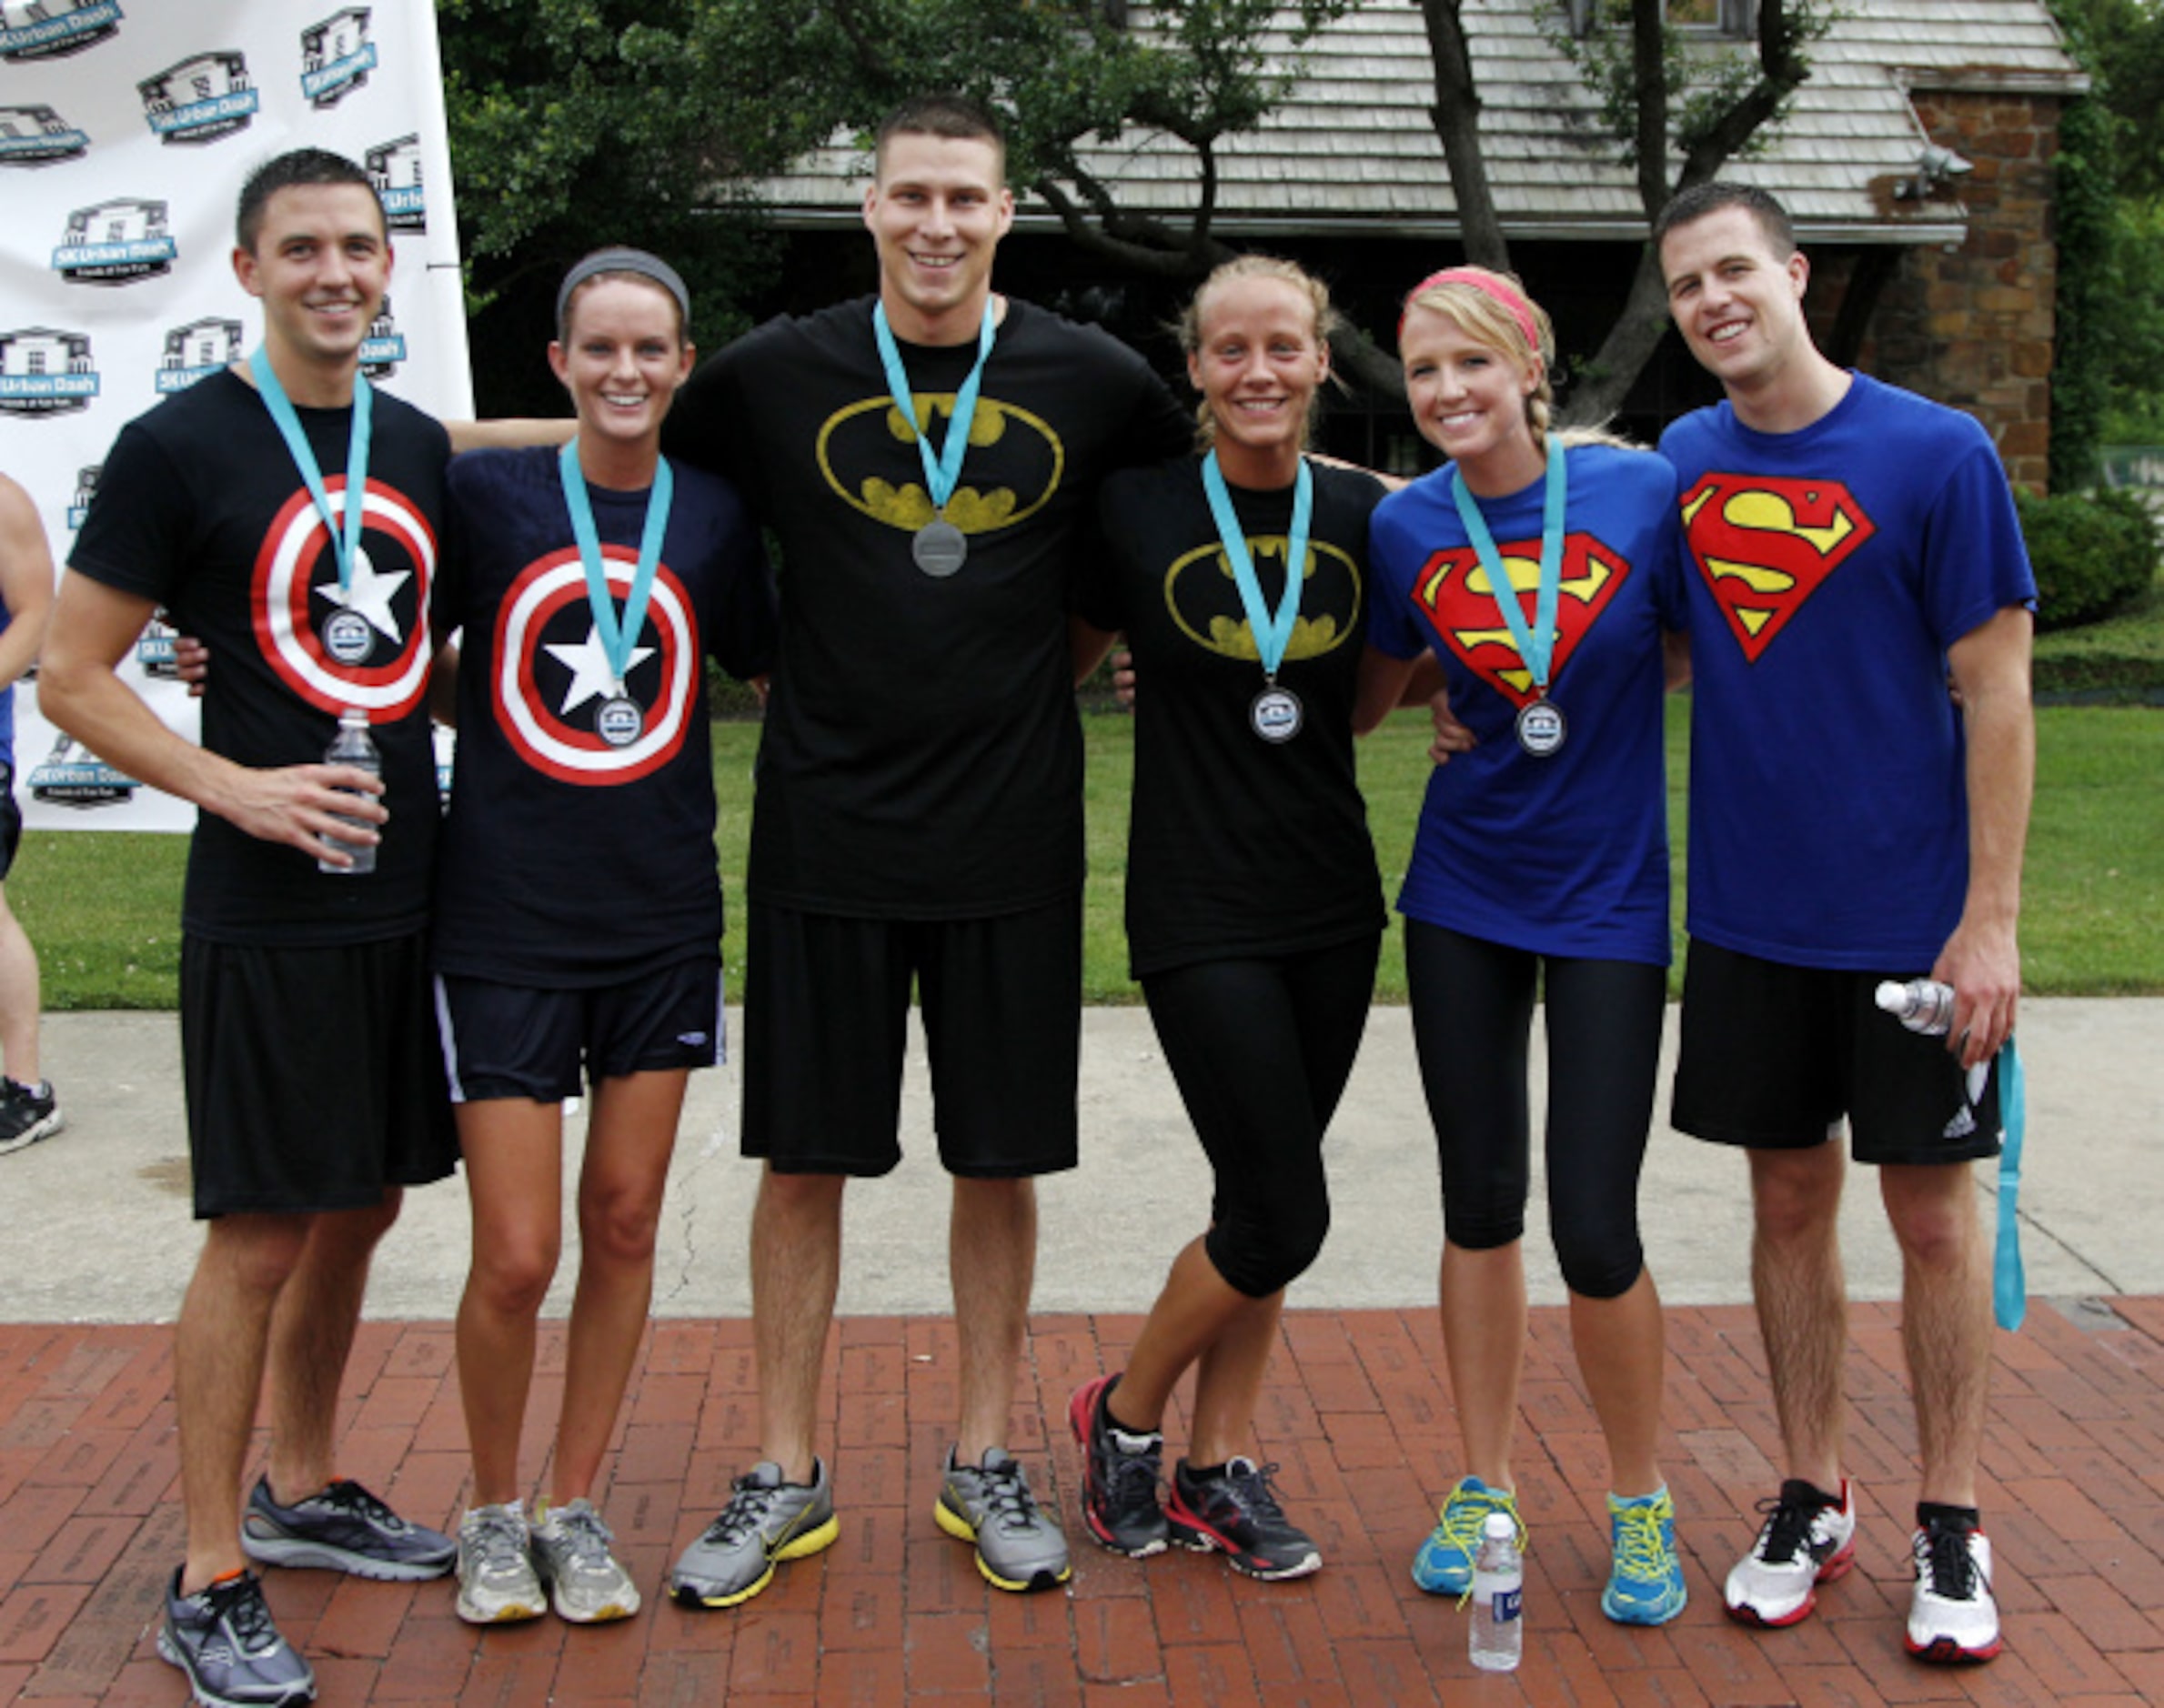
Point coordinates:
[[1765, 544], [1452, 592]]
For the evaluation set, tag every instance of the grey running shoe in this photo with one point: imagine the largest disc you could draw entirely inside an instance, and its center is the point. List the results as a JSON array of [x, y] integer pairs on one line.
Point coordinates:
[[27, 1113], [343, 1529], [586, 1582], [766, 1521], [497, 1581], [224, 1639], [1018, 1547]]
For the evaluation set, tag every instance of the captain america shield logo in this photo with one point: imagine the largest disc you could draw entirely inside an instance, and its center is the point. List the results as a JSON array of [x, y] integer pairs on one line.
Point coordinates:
[[552, 690], [365, 644]]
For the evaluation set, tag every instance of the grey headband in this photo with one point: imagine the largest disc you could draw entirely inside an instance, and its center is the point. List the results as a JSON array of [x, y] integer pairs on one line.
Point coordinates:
[[622, 261]]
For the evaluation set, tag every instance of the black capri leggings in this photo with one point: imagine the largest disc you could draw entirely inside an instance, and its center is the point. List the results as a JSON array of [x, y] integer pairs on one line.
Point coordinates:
[[1471, 1015], [1260, 1049]]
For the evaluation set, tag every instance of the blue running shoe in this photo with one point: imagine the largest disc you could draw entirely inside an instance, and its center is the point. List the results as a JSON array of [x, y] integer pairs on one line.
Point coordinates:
[[1444, 1566], [1645, 1583]]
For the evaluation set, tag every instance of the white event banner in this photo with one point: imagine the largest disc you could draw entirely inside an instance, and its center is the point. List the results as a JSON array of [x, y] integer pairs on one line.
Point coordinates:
[[126, 129]]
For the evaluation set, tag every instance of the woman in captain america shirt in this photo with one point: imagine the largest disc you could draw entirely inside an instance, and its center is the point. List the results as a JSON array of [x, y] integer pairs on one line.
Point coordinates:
[[577, 912], [1544, 578]]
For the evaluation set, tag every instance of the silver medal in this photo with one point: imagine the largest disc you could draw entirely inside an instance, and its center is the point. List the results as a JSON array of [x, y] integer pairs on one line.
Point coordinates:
[[620, 722], [347, 636], [939, 547], [1276, 715], [1541, 729]]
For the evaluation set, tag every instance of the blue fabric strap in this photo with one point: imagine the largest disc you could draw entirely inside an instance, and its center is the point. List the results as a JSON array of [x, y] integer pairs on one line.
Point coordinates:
[[2009, 1286]]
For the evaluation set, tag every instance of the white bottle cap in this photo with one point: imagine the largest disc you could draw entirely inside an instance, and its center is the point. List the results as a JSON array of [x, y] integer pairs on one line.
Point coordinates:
[[1499, 1526], [1892, 997]]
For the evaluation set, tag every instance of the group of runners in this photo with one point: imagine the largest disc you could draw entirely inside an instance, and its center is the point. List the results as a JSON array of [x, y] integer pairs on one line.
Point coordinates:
[[972, 496]]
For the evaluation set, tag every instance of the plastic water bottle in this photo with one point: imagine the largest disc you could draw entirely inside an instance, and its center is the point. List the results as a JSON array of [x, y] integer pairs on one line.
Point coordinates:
[[1922, 1005], [1498, 1639], [352, 746]]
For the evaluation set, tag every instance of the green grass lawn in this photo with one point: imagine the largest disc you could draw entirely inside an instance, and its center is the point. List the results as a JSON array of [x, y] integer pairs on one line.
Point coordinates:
[[103, 907]]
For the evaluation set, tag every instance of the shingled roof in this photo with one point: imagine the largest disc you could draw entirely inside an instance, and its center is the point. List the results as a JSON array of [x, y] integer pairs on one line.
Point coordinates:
[[1352, 150]]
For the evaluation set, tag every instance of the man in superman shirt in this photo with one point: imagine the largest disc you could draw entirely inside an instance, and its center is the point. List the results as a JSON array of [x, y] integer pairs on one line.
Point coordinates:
[[1850, 546]]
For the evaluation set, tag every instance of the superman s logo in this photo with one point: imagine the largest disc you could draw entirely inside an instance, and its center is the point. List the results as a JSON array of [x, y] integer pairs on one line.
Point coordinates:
[[1454, 593], [1765, 544]]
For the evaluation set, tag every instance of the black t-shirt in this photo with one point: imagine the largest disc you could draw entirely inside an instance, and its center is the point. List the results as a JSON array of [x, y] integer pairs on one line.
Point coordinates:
[[921, 758], [568, 861], [201, 508], [1237, 846]]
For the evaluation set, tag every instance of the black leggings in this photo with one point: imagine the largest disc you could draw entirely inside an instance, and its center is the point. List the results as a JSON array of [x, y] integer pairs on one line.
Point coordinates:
[[1471, 1015], [1262, 1050]]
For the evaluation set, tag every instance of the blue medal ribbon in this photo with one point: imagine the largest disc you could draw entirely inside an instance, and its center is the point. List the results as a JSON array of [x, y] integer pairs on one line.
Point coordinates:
[[1535, 645], [1272, 631], [940, 473], [616, 637], [345, 540], [2010, 1285]]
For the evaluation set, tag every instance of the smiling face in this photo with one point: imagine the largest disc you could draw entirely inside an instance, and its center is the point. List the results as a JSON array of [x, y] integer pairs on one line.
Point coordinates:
[[1257, 364], [1468, 401], [320, 264], [1737, 301], [622, 358], [936, 213]]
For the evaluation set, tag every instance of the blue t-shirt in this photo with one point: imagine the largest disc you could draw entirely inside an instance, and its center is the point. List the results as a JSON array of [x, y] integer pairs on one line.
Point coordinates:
[[1830, 569], [1566, 854]]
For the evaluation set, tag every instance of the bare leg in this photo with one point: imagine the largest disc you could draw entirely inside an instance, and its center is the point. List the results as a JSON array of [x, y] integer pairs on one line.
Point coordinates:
[[991, 1261], [514, 1180], [1802, 1297], [1483, 1342], [19, 1000], [311, 1334], [629, 1138], [220, 1346], [1200, 1317], [1621, 1350], [1945, 1319], [796, 1265]]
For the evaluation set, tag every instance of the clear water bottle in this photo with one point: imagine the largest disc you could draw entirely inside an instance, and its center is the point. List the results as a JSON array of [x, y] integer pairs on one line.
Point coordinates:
[[352, 746], [1922, 1005], [1498, 1639]]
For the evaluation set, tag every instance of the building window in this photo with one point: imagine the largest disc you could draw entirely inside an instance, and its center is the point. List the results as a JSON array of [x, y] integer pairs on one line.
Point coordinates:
[[1711, 17]]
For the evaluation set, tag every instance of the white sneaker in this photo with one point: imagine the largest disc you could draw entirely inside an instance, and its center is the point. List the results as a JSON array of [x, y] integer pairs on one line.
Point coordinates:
[[1953, 1617], [497, 1582], [576, 1553], [1803, 1544]]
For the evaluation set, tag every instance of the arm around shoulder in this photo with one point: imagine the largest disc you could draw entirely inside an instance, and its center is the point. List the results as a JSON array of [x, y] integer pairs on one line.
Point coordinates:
[[25, 580]]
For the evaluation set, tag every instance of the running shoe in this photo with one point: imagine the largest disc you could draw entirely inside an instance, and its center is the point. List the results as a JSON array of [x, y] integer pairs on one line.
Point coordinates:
[[343, 1529], [1808, 1539], [1019, 1548], [27, 1113], [498, 1584], [1953, 1616], [1645, 1583], [224, 1639], [1234, 1512], [1444, 1566], [1121, 1471], [574, 1552], [766, 1521]]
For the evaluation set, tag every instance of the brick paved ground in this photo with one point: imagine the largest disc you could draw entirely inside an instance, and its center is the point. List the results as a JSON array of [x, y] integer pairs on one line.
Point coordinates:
[[1356, 1416]]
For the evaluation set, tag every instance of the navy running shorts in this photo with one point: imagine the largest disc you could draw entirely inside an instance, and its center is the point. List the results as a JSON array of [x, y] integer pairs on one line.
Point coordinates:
[[505, 1040]]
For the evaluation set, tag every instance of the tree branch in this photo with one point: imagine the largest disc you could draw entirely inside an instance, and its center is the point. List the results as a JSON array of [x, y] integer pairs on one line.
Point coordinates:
[[1456, 116]]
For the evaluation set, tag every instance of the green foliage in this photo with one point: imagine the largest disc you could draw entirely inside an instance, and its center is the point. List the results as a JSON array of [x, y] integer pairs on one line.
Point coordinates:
[[2093, 552], [2120, 43], [1706, 75]]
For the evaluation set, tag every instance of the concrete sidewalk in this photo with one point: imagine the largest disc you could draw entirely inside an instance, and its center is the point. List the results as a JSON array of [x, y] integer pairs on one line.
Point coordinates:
[[95, 1225]]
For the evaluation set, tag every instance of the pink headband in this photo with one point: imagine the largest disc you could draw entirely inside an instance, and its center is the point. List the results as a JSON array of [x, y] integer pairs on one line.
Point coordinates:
[[1488, 286]]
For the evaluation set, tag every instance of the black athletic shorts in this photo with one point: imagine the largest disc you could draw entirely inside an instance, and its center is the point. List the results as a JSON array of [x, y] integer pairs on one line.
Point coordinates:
[[514, 1040], [313, 1078], [826, 1006], [1773, 1055], [11, 820]]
